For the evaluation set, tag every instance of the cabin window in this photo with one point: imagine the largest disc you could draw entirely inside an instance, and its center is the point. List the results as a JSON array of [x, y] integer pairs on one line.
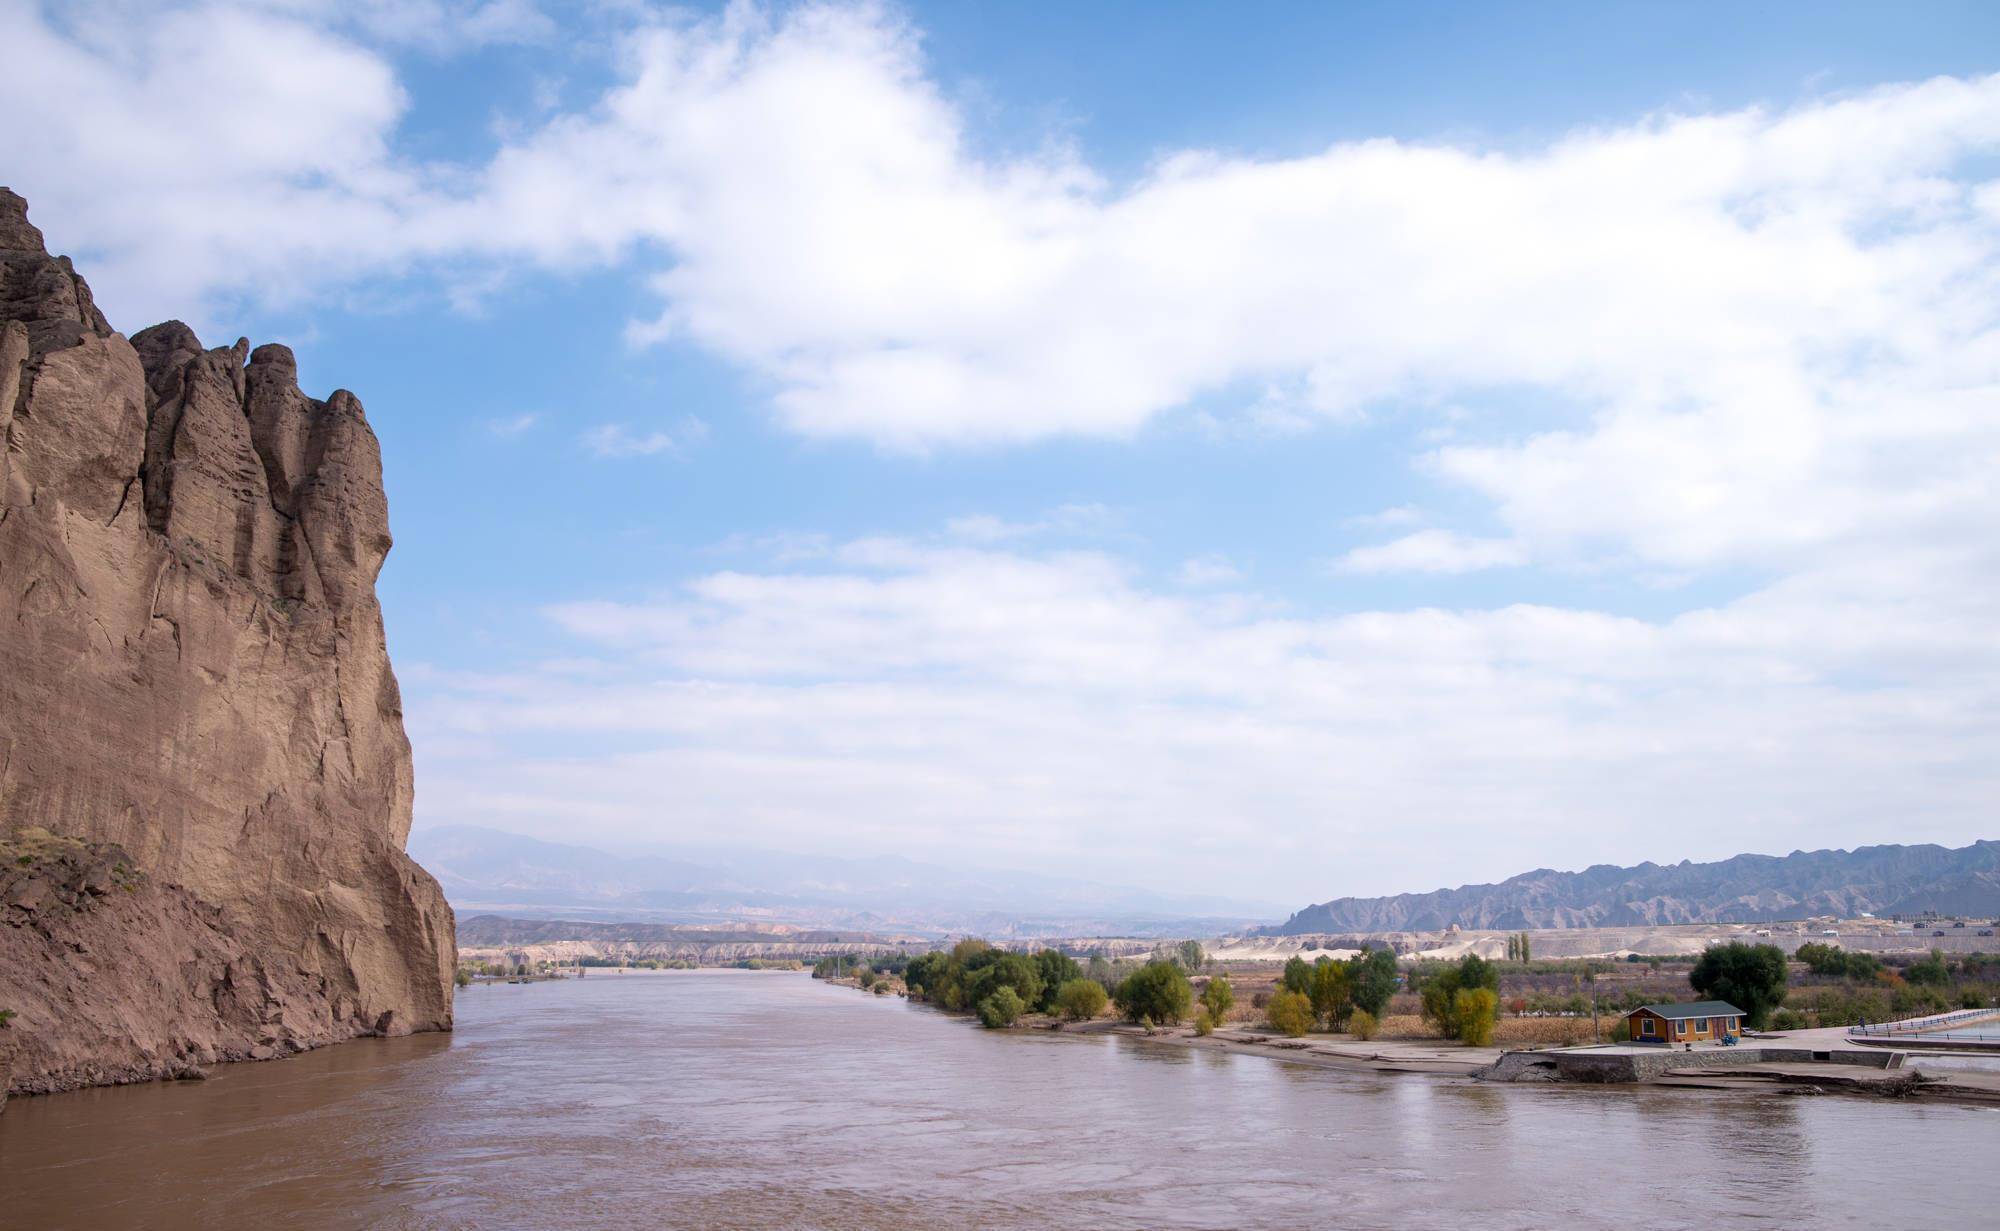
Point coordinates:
[[1700, 1025], [1645, 1025]]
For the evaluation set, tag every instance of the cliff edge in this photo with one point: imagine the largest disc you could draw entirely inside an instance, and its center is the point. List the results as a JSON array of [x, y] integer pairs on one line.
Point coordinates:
[[205, 786]]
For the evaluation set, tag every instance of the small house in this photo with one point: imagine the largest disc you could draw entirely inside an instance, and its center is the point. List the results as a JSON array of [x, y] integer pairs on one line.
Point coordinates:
[[1701, 1021]]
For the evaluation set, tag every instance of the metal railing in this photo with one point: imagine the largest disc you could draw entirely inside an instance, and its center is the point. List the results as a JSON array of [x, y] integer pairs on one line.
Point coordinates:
[[1937, 1025]]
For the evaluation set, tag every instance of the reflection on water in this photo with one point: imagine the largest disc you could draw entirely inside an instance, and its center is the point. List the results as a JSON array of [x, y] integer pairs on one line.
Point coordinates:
[[760, 1100]]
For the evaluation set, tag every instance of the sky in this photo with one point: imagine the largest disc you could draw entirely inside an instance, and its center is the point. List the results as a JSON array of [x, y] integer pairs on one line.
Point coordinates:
[[1271, 450]]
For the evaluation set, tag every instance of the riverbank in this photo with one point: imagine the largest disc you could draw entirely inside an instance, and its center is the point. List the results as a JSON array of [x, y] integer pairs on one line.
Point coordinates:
[[1793, 1067]]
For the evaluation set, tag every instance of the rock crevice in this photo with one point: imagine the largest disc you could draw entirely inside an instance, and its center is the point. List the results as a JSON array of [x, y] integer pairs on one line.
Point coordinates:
[[194, 673]]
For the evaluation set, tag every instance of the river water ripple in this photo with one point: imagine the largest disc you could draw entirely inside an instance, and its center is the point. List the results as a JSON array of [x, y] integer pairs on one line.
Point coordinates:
[[746, 1099]]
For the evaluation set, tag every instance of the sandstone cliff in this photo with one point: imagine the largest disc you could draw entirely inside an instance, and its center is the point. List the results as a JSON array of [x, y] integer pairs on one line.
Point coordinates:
[[196, 704]]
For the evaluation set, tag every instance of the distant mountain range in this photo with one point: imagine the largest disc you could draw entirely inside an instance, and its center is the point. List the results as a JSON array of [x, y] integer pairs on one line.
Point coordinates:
[[490, 871], [1880, 880]]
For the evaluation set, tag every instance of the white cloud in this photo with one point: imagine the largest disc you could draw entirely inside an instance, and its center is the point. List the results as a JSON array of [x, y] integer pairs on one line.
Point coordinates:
[[1211, 570], [612, 440], [1035, 707], [513, 425], [1758, 332], [1434, 551], [1069, 519]]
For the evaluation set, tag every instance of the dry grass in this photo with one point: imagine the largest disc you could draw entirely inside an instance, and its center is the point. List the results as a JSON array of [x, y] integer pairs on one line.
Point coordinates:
[[1405, 1026], [1545, 1031]]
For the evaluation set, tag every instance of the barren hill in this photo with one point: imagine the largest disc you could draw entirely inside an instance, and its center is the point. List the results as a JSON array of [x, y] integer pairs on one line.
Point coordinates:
[[1747, 888]]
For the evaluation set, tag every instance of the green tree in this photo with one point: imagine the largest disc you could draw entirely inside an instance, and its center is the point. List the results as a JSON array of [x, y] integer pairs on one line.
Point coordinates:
[[1331, 992], [1158, 991], [1191, 955], [1001, 1009], [1055, 968], [1079, 1000], [1297, 977], [1932, 971], [990, 970], [1291, 1012], [1475, 1011], [1441, 989], [1751, 977], [1372, 981], [1527, 950], [1217, 998]]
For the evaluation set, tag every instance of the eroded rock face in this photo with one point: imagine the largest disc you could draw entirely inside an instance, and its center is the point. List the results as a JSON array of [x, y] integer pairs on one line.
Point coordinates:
[[192, 671]]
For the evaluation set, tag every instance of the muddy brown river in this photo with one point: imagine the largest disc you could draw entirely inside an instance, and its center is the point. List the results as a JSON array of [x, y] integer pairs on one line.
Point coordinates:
[[741, 1099]]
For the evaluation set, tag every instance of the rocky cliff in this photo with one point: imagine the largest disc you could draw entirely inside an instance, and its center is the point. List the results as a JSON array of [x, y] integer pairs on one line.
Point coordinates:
[[205, 787], [1881, 880]]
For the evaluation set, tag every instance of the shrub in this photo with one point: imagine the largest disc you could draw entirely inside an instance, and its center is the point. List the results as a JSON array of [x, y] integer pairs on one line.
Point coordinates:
[[1621, 1031], [1159, 991], [1204, 1025], [1001, 1009], [1362, 1025], [882, 987], [1217, 998], [1475, 1010], [1783, 1019], [462, 977], [866, 978], [1079, 1000], [6, 1016], [1291, 1012], [1330, 991]]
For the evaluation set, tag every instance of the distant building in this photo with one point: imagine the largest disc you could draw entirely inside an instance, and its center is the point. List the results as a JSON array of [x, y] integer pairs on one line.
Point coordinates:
[[1684, 1023]]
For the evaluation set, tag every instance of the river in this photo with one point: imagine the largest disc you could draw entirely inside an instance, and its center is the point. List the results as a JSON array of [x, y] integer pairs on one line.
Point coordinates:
[[748, 1099]]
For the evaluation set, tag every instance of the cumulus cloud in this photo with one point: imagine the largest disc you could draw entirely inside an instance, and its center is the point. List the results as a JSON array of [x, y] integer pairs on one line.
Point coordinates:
[[1761, 343], [1753, 333]]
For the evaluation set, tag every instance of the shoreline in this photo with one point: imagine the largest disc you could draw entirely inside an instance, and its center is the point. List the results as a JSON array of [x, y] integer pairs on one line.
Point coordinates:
[[1438, 1058]]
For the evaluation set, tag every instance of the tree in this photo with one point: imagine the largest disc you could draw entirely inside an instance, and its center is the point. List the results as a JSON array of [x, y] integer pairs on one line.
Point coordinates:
[[1101, 970], [1055, 968], [1079, 1000], [1475, 1011], [1931, 971], [1204, 1025], [1372, 980], [1158, 991], [1440, 994], [1331, 991], [1362, 1024], [992, 969], [1751, 977], [1291, 1012], [1001, 1009], [1217, 998], [1297, 977], [1192, 958], [1527, 950]]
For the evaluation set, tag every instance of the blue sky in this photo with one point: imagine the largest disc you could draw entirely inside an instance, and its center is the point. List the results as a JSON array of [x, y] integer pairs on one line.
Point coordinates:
[[1317, 449]]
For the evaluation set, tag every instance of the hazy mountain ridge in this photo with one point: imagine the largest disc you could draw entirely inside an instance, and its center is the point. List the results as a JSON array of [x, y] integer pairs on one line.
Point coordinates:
[[490, 871], [1887, 879]]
